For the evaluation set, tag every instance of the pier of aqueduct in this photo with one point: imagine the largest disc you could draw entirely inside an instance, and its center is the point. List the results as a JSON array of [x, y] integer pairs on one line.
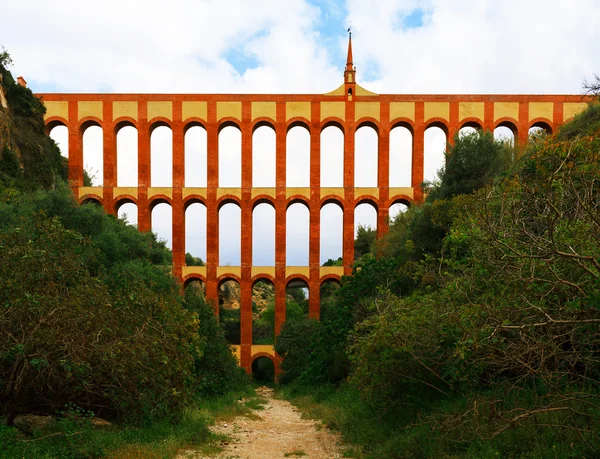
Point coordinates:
[[348, 108]]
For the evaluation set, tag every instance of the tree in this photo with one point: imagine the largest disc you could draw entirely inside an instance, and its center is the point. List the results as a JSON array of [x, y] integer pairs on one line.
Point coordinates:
[[365, 238]]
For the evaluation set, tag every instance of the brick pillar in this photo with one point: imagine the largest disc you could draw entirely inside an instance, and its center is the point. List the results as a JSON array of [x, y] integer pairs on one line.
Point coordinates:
[[280, 211], [178, 212], [418, 154], [212, 213], [144, 217], [488, 116], [109, 159], [523, 128], [348, 234], [75, 147], [246, 240], [383, 170], [314, 257]]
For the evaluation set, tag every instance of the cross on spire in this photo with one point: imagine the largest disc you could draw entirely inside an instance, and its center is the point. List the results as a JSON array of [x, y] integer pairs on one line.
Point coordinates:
[[350, 70]]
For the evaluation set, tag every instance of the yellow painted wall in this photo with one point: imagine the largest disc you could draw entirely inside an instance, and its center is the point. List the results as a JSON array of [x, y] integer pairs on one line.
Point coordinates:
[[402, 110], [437, 110], [123, 190], [341, 91], [89, 108], [541, 110], [122, 108], [191, 109], [337, 109], [407, 191], [259, 191], [295, 270], [471, 110], [297, 109], [363, 191], [237, 192], [163, 109], [234, 270], [197, 270], [154, 190], [262, 348], [189, 191], [269, 270], [325, 270], [93, 190], [289, 192], [570, 109], [335, 191], [229, 110], [264, 109], [506, 110], [57, 108], [366, 109]]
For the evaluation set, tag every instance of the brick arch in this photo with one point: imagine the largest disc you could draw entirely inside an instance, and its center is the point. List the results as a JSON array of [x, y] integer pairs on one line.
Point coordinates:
[[297, 199], [543, 123], [228, 199], [510, 123], [297, 121], [329, 278], [272, 358], [159, 199], [228, 122], [118, 201], [403, 122], [87, 122], [192, 277], [368, 122], [333, 121], [193, 199], [367, 199], [440, 123], [158, 122], [53, 122], [263, 121], [122, 122], [332, 199], [227, 277], [472, 122], [193, 122], [301, 277], [91, 197], [399, 199], [262, 199], [263, 277]]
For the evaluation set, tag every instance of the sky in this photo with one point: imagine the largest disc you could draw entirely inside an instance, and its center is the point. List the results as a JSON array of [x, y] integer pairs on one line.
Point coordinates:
[[299, 46]]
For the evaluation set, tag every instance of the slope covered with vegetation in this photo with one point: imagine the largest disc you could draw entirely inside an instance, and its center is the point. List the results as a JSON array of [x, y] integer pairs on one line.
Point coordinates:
[[92, 322], [474, 332]]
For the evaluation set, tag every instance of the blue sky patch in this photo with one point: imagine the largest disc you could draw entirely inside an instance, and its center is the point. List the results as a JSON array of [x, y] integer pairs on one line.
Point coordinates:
[[413, 20]]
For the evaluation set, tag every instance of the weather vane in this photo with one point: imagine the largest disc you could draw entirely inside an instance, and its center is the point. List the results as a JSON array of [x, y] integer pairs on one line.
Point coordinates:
[[350, 29]]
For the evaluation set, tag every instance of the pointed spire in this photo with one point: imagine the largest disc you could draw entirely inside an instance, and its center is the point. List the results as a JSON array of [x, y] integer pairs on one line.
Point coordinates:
[[349, 59]]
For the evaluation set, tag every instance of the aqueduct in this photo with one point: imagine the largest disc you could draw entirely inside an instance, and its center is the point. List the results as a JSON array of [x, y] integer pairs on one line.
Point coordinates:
[[349, 108]]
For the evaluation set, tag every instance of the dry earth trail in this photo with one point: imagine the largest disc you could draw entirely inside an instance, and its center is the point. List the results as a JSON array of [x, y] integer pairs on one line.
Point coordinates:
[[276, 431]]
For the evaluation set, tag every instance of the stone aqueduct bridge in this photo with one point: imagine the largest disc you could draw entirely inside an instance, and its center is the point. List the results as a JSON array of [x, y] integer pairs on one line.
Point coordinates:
[[348, 107]]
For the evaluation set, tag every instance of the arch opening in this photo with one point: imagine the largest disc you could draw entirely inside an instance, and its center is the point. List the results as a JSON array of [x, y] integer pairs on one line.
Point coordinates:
[[162, 223], [161, 157], [505, 134], [127, 156], [296, 300], [195, 153], [263, 312], [93, 154], [297, 157], [195, 234], [332, 157], [539, 131], [230, 235], [328, 289], [332, 233], [366, 151], [401, 146], [128, 211], [230, 157], [396, 209], [365, 228], [60, 134], [469, 129], [263, 157], [297, 235], [435, 147], [263, 235], [263, 370], [229, 310]]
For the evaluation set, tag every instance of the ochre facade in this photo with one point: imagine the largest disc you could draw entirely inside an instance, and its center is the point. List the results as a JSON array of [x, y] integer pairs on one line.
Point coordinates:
[[348, 107]]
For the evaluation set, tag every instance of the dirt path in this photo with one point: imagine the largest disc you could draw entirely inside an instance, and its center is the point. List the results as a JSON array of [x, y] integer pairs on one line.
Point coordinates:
[[277, 431]]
